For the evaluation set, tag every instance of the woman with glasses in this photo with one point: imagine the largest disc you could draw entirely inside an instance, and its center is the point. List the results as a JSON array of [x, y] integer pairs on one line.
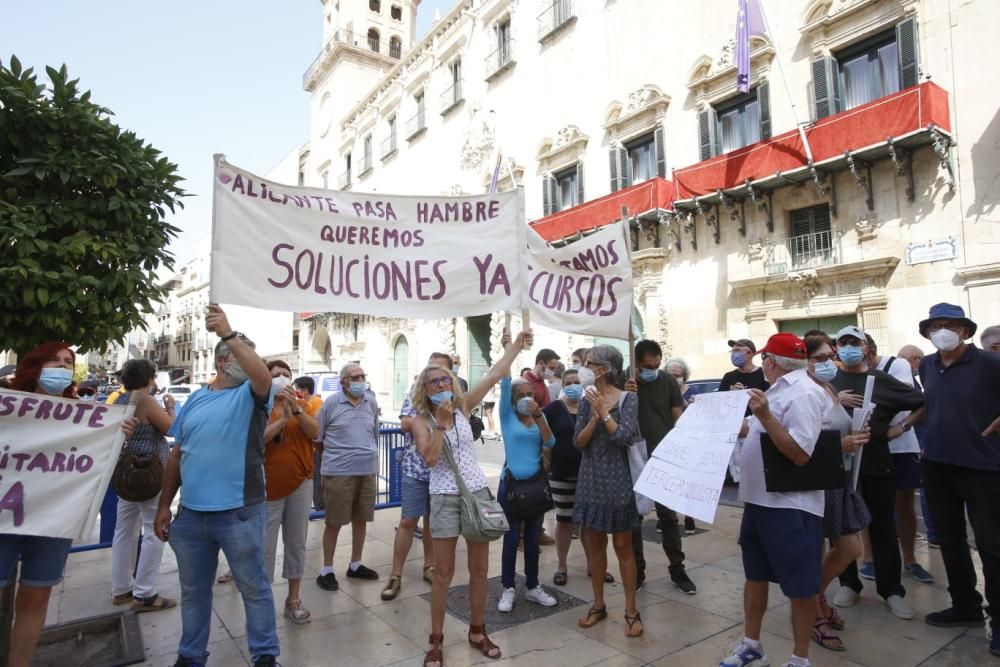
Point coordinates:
[[442, 420], [845, 514], [606, 424]]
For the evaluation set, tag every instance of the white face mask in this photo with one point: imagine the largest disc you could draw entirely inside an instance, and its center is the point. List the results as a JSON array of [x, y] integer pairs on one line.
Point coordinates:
[[586, 376], [279, 383], [945, 340]]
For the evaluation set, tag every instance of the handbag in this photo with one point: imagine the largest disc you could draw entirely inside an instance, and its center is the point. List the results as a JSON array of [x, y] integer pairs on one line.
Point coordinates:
[[137, 478], [527, 498], [481, 520], [825, 469], [637, 457]]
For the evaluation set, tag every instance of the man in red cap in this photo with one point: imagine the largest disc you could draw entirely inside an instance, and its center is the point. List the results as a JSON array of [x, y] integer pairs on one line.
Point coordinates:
[[781, 536]]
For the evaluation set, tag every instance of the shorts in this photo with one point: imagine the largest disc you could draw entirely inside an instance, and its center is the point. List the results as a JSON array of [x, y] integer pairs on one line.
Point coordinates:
[[416, 498], [348, 498], [784, 546], [43, 559], [563, 497], [446, 513], [906, 469]]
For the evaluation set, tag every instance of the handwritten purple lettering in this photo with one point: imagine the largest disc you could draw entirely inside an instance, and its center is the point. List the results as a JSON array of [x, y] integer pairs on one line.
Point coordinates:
[[499, 278], [41, 462], [13, 501], [376, 209], [593, 259], [593, 294], [465, 211], [375, 236], [28, 407]]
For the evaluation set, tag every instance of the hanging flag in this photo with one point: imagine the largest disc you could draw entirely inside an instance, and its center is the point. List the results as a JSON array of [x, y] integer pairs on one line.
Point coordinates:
[[749, 23]]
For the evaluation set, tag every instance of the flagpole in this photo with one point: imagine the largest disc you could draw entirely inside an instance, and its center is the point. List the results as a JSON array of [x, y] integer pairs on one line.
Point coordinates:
[[784, 80]]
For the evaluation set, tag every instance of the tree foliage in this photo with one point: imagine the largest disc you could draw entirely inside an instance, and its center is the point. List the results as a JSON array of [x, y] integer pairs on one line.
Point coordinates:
[[82, 206]]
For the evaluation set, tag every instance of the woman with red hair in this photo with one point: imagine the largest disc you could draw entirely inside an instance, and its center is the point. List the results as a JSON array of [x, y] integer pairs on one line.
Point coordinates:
[[48, 370]]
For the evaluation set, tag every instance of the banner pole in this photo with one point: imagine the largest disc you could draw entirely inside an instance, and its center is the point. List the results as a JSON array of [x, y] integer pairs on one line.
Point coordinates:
[[631, 324], [216, 159]]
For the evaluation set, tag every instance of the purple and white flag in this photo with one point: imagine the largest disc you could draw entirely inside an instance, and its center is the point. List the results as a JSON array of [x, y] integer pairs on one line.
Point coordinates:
[[749, 23]]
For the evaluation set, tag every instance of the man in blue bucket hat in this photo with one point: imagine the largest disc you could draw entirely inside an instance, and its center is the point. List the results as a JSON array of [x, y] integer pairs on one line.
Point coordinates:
[[961, 464]]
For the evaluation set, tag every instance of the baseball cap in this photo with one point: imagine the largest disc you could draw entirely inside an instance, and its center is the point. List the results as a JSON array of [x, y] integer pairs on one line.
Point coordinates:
[[744, 342], [786, 344], [853, 331]]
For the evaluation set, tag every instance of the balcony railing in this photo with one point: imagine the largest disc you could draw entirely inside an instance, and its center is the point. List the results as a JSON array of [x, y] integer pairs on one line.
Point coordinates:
[[366, 164], [416, 125], [349, 38], [809, 251], [451, 98], [555, 17], [389, 145], [395, 50], [344, 180], [373, 43], [501, 59]]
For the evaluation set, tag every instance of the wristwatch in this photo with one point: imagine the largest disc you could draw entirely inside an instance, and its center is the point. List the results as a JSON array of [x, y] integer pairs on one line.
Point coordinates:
[[231, 336], [906, 426], [606, 419], [296, 412]]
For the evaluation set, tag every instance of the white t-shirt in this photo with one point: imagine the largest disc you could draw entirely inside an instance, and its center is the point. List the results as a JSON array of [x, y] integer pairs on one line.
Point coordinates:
[[804, 409], [442, 481], [902, 371]]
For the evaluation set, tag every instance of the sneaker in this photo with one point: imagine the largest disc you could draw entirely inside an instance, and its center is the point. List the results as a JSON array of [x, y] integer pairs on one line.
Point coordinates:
[[955, 618], [362, 573], [391, 589], [328, 582], [659, 526], [418, 534], [539, 595], [933, 544], [745, 655], [845, 597], [506, 603], [184, 662], [545, 539], [265, 661], [899, 607], [689, 527], [917, 571], [684, 583], [867, 570]]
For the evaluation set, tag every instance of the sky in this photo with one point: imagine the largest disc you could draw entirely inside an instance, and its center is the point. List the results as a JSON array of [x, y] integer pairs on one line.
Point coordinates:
[[191, 78]]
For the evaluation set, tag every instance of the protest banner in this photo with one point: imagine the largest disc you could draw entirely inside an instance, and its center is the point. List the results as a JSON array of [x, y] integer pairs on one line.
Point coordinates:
[[584, 287], [289, 248], [688, 467], [57, 456]]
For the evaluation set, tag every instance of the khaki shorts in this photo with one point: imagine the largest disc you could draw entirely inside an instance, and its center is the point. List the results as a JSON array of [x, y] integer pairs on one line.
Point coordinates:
[[349, 498], [446, 513]]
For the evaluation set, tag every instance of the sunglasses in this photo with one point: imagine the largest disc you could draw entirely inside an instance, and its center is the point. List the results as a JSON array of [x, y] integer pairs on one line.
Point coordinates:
[[439, 382]]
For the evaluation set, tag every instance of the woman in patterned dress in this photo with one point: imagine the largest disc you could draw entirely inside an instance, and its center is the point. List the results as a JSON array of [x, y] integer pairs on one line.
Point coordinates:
[[442, 420], [606, 424]]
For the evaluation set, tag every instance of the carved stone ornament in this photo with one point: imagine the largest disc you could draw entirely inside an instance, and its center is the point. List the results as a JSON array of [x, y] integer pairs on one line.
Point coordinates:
[[566, 136], [479, 139], [755, 250], [726, 57], [867, 227], [637, 100], [807, 281]]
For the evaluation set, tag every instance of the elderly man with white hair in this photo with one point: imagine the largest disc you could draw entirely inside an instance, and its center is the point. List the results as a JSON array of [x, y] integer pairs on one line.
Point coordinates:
[[781, 536], [348, 434]]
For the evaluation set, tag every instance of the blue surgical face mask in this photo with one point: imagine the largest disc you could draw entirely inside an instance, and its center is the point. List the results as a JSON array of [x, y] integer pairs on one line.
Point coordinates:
[[648, 374], [522, 406], [55, 380], [825, 370], [441, 397], [850, 355], [738, 359], [574, 392], [357, 389]]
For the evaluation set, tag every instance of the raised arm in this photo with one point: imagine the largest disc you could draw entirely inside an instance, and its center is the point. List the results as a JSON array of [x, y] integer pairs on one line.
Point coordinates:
[[149, 410], [500, 369], [255, 368]]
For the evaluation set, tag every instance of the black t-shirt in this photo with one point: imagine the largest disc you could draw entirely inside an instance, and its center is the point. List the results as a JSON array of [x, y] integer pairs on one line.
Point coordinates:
[[753, 380], [656, 399], [566, 456], [890, 397]]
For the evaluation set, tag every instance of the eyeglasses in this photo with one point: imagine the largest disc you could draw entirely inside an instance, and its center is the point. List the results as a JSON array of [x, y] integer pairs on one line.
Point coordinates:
[[823, 357], [439, 382], [595, 364]]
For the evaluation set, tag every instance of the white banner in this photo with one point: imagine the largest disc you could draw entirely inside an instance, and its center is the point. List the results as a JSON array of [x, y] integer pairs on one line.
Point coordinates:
[[688, 468], [288, 248], [584, 287], [56, 460]]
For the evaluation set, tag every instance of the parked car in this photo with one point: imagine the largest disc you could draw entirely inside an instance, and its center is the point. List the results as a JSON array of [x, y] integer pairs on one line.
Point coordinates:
[[326, 383], [695, 387], [180, 392]]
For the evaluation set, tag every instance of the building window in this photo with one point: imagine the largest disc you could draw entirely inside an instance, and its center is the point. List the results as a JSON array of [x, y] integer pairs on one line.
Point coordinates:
[[503, 56], [345, 178], [453, 94], [395, 48], [417, 122], [396, 12], [811, 242], [562, 190], [641, 159], [326, 180], [738, 123], [373, 40], [375, 5], [503, 42], [366, 160], [869, 71], [638, 160], [389, 145]]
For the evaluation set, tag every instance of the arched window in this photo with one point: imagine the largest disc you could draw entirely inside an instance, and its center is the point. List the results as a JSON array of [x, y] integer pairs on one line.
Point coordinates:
[[375, 5], [395, 48], [373, 40]]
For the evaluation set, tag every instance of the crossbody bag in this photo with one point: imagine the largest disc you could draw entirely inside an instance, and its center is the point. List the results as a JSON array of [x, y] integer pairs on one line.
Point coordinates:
[[482, 520]]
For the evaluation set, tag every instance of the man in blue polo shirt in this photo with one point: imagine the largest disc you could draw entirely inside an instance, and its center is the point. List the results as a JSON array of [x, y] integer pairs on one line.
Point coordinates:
[[961, 463], [220, 459]]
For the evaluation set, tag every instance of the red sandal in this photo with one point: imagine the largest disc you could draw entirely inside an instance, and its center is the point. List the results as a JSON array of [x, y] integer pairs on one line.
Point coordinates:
[[435, 654], [484, 644]]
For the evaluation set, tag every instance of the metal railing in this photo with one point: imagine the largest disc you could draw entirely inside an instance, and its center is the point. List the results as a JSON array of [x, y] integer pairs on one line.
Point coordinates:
[[500, 59], [395, 50], [416, 124], [808, 251], [366, 163], [389, 145], [349, 38], [373, 43], [451, 97], [555, 16], [344, 180]]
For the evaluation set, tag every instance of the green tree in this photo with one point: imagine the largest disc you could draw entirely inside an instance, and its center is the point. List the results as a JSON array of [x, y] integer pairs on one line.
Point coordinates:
[[81, 371], [82, 206]]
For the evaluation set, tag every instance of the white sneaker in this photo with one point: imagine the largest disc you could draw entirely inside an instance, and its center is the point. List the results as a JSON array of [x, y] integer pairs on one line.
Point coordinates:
[[845, 597], [506, 600], [540, 596], [899, 607]]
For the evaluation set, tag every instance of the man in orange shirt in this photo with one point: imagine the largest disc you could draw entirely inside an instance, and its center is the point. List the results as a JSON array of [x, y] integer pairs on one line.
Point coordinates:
[[288, 472]]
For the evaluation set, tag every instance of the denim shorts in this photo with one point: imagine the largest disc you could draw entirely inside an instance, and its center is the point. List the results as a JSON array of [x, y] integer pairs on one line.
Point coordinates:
[[906, 470], [784, 546], [43, 559], [416, 498]]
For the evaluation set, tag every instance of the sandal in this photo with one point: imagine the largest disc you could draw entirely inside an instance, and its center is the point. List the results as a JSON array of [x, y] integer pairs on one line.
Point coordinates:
[[121, 598], [827, 640], [224, 578], [559, 578], [429, 574], [296, 613], [608, 577], [630, 622], [834, 620], [154, 603], [435, 654], [484, 644], [593, 613]]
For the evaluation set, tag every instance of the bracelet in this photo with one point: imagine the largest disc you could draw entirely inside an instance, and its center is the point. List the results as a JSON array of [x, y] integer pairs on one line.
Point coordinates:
[[538, 416], [231, 336], [606, 419]]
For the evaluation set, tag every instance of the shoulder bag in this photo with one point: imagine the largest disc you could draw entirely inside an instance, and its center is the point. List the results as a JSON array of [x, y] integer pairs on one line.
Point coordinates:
[[637, 457], [481, 520], [527, 498]]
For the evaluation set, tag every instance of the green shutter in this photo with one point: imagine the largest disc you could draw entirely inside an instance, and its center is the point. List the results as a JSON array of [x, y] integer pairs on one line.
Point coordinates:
[[826, 87], [764, 109], [706, 133], [661, 153], [908, 49], [579, 183], [613, 160], [547, 203], [624, 167], [554, 194]]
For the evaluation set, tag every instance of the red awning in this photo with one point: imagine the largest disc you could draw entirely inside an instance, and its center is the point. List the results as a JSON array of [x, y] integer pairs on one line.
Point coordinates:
[[646, 196], [896, 115]]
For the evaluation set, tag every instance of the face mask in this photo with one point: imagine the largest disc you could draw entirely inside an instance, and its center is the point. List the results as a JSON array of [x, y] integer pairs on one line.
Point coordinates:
[[945, 340], [441, 397], [738, 359], [586, 376], [280, 383], [456, 368], [55, 380], [547, 374], [574, 392], [648, 374], [825, 370], [522, 406], [235, 372], [850, 355], [357, 389]]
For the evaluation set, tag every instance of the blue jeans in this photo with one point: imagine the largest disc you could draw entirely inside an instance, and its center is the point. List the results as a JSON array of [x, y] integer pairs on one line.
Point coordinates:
[[532, 531], [196, 538]]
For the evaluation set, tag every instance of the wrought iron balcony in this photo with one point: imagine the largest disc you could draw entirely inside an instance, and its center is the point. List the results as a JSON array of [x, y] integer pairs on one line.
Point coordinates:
[[388, 145], [395, 49], [501, 59], [808, 251], [373, 43], [366, 164], [416, 125], [344, 180], [452, 97], [556, 16], [345, 38]]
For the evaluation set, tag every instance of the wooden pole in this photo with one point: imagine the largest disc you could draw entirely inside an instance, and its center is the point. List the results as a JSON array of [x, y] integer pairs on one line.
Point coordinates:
[[525, 321], [631, 324]]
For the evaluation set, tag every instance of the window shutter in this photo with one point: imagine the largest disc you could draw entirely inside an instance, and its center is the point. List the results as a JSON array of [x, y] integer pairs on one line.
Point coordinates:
[[554, 197], [624, 167], [800, 220], [826, 87], [706, 133], [908, 49], [661, 153], [821, 218], [579, 183], [764, 108], [613, 159], [546, 196]]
